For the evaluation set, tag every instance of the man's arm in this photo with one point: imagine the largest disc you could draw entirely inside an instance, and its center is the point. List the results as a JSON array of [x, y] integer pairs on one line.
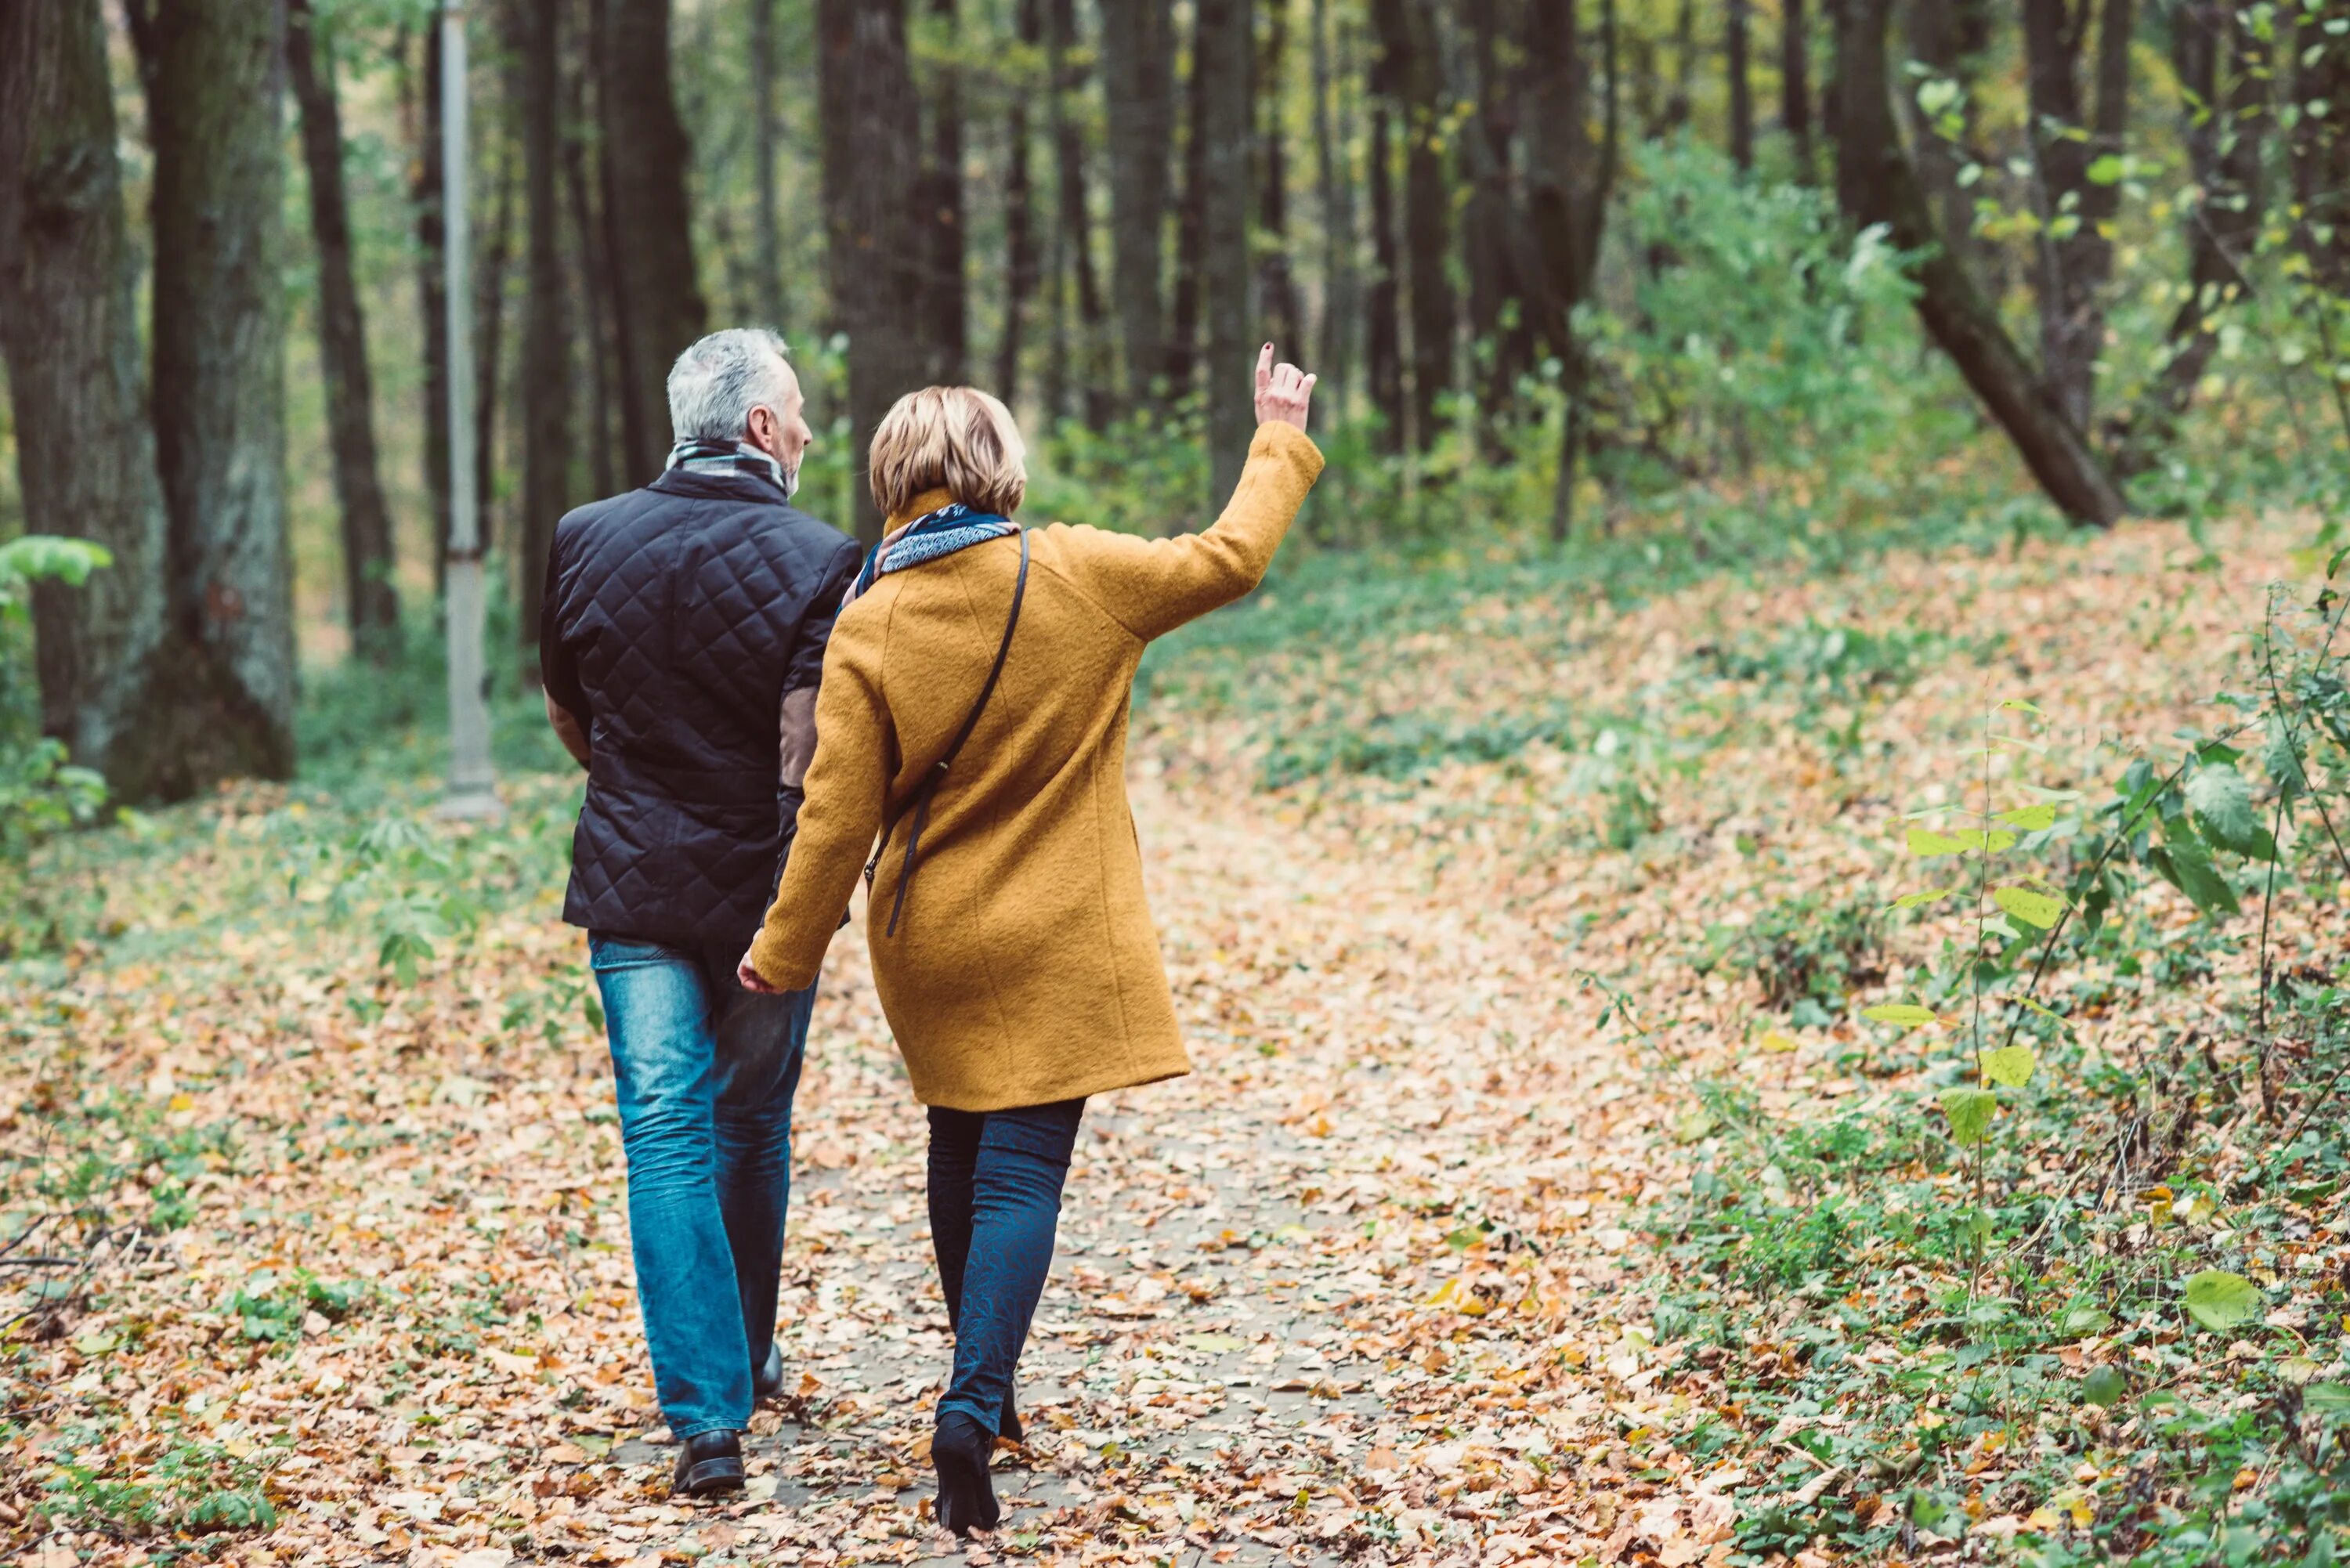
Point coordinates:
[[569, 730]]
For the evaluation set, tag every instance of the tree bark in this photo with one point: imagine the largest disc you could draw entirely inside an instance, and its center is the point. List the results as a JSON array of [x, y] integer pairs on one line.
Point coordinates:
[[1569, 183], [766, 133], [2076, 209], [1183, 312], [2319, 149], [1795, 83], [370, 599], [1492, 230], [1222, 57], [871, 170], [1408, 70], [489, 336], [219, 398], [1383, 314], [1736, 57], [594, 273], [1875, 184], [1334, 187], [1089, 365], [939, 214], [1137, 50], [2222, 121], [1279, 312], [649, 164], [546, 344], [427, 196], [69, 331], [1019, 220]]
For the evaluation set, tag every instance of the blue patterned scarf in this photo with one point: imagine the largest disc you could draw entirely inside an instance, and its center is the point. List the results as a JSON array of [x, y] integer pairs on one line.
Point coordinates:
[[952, 527]]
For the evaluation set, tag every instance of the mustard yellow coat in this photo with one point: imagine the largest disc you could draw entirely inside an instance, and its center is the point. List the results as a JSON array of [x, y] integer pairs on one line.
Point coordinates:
[[1025, 968]]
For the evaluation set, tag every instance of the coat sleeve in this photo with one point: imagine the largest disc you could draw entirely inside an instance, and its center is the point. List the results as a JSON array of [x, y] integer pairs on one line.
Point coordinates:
[[845, 784], [795, 719], [1153, 585]]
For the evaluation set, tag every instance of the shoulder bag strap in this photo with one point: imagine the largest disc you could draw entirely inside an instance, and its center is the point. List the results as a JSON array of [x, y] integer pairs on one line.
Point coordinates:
[[919, 805]]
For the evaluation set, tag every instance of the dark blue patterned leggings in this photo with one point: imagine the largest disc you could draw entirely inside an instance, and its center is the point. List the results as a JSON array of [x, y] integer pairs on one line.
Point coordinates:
[[995, 1201]]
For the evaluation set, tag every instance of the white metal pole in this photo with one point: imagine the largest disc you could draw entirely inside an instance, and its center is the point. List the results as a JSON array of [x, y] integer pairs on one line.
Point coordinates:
[[471, 789]]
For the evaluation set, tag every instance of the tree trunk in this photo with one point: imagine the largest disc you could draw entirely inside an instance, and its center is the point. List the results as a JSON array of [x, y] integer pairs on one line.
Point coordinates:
[[1137, 50], [1795, 83], [1222, 57], [871, 170], [1735, 53], [648, 163], [546, 344], [1019, 220], [595, 292], [1089, 365], [1950, 40], [1408, 72], [1279, 313], [766, 133], [1569, 183], [427, 196], [219, 398], [2076, 197], [1383, 315], [489, 336], [1334, 187], [68, 328], [1500, 312], [1682, 103], [370, 599], [1875, 184], [946, 330], [2222, 126], [1184, 314]]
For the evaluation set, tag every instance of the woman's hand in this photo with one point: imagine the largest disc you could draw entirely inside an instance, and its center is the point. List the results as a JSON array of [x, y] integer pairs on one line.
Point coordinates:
[[1283, 391], [748, 975]]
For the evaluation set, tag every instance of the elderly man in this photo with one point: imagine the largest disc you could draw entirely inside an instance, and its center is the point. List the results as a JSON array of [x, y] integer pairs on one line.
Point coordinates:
[[682, 641]]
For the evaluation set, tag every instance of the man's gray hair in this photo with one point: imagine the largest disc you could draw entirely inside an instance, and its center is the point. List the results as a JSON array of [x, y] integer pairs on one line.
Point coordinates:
[[715, 384]]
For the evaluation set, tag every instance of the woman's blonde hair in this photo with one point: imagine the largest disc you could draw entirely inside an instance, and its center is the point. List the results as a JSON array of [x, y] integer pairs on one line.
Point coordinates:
[[956, 439]]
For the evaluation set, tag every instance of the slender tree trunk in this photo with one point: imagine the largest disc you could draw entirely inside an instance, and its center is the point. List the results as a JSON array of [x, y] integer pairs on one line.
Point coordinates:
[[1276, 290], [489, 335], [1683, 101], [370, 599], [939, 212], [1334, 187], [1408, 70], [69, 330], [595, 292], [1569, 183], [2319, 149], [1875, 184], [1499, 312], [217, 72], [2076, 200], [546, 344], [1137, 50], [1183, 313], [766, 132], [1383, 317], [2223, 121], [428, 197], [1019, 220], [1795, 81], [872, 173], [1089, 363], [1735, 53], [1223, 58], [648, 163]]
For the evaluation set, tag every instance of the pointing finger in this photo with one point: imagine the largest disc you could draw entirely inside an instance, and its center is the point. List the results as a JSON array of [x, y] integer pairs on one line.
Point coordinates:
[[1264, 368]]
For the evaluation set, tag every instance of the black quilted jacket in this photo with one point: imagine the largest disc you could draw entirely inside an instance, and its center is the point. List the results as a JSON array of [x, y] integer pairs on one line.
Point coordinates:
[[676, 618]]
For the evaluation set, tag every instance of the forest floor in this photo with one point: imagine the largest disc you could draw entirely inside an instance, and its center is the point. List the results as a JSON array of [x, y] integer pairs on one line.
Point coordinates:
[[1440, 895]]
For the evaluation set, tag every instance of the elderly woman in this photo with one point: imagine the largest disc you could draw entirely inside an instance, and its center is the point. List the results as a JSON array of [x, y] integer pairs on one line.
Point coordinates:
[[973, 715]]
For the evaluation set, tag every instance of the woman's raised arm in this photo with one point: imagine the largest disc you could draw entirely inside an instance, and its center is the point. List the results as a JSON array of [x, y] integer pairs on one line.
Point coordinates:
[[1153, 585]]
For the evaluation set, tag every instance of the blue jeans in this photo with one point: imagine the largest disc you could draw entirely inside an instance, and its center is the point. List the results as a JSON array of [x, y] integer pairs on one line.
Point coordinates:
[[996, 1201], [705, 1073]]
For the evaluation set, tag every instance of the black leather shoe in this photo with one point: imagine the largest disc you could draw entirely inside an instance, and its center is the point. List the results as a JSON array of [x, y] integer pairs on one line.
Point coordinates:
[[959, 1450], [707, 1464], [1008, 1427], [768, 1380]]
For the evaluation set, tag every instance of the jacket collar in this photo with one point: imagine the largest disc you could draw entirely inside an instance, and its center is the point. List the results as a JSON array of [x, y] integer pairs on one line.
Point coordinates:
[[922, 505], [704, 484]]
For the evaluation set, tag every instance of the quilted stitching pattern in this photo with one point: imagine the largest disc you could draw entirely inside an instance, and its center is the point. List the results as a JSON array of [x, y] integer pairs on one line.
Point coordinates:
[[686, 611]]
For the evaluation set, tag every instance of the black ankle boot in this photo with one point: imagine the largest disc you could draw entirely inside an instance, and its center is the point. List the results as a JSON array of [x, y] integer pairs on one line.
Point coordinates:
[[707, 1463], [959, 1450], [767, 1381], [1008, 1427]]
